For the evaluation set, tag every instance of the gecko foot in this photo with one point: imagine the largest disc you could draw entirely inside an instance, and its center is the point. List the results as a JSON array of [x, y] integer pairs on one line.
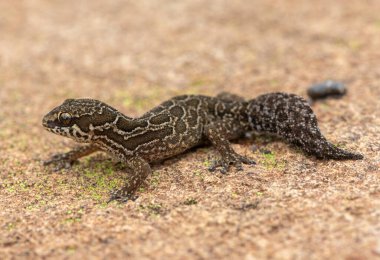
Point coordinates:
[[121, 195], [232, 159], [61, 161]]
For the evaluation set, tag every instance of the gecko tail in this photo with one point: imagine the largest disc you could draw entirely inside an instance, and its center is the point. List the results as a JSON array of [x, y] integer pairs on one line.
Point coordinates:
[[290, 117], [330, 151]]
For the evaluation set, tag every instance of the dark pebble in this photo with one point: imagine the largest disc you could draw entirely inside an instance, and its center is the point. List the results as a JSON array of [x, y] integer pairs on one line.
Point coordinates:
[[329, 88]]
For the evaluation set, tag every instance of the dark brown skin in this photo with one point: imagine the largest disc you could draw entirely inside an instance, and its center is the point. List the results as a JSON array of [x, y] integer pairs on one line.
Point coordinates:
[[181, 123]]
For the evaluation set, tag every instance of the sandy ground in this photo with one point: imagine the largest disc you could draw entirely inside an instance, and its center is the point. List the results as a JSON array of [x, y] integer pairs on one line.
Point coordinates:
[[135, 54]]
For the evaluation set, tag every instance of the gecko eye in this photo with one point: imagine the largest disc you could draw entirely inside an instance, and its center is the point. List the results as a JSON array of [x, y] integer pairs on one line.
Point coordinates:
[[64, 118]]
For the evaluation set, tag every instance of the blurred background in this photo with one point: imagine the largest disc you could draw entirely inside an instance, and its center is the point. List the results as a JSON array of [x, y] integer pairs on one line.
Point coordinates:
[[134, 55], [114, 50]]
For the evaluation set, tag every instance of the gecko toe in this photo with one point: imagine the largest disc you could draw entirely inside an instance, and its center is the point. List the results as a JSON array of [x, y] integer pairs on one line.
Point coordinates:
[[235, 160], [222, 168], [220, 165], [249, 161], [122, 196], [60, 161], [239, 166], [243, 159]]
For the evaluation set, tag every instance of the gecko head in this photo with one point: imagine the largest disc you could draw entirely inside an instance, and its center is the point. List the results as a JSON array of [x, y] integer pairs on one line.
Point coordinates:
[[79, 118]]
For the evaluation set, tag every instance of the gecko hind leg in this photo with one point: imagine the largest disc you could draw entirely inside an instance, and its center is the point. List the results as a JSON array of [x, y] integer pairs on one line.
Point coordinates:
[[217, 134]]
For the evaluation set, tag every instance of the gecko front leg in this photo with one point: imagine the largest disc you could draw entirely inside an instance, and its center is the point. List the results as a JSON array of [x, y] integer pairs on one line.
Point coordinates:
[[217, 133], [139, 171], [66, 160]]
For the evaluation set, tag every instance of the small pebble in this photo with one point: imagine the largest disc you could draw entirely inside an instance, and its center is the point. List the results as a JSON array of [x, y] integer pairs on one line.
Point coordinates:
[[329, 88]]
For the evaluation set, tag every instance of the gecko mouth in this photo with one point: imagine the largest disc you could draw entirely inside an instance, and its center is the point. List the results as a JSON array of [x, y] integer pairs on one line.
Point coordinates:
[[47, 124], [52, 128]]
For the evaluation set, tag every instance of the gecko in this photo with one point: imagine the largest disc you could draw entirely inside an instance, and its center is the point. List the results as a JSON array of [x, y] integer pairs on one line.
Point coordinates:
[[181, 123]]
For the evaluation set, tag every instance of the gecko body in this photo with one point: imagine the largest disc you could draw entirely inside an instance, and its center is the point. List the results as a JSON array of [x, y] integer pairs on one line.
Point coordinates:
[[181, 123]]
